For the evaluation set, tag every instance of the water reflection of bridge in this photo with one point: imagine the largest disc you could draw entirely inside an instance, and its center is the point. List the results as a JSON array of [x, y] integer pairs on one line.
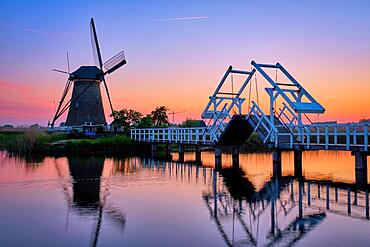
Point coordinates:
[[294, 205]]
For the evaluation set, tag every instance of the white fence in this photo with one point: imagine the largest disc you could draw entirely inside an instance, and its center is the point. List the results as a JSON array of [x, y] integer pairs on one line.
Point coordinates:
[[308, 136], [197, 135], [330, 136]]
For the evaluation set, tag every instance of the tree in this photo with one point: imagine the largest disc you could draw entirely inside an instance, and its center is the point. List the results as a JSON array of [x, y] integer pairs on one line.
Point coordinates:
[[126, 118], [159, 115], [193, 123], [146, 122]]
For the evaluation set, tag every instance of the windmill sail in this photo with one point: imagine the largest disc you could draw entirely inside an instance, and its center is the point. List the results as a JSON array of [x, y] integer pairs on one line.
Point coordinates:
[[115, 62], [95, 45]]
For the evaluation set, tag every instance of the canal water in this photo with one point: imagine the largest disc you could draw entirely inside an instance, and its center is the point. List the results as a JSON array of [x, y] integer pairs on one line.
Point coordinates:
[[99, 201]]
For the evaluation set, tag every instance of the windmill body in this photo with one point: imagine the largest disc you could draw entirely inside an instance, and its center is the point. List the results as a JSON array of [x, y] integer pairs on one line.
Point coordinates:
[[87, 104]]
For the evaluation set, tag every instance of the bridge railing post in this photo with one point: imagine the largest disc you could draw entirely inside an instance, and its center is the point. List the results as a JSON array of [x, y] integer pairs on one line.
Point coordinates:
[[366, 137], [326, 137], [348, 140], [308, 137], [291, 136], [318, 135]]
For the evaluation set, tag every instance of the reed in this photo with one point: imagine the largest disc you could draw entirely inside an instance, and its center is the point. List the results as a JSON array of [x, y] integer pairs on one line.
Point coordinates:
[[28, 141]]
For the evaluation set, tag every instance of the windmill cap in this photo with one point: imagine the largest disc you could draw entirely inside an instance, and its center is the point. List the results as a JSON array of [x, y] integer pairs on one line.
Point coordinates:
[[87, 72]]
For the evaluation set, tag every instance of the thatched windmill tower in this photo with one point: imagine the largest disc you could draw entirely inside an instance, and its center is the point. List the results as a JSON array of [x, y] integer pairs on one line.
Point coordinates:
[[85, 105]]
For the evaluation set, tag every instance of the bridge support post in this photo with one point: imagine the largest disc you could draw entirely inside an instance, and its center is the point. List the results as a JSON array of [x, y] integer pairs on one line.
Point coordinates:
[[218, 157], [235, 156], [168, 150], [198, 154], [298, 163], [360, 168], [153, 150], [300, 198], [181, 149], [276, 163]]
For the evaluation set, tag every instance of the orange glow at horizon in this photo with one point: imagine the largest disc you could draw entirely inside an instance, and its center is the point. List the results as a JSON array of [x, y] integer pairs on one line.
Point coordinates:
[[345, 97]]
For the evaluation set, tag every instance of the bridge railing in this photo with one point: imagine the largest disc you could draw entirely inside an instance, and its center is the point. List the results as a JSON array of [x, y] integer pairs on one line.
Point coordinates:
[[346, 136], [263, 126], [286, 114], [195, 135]]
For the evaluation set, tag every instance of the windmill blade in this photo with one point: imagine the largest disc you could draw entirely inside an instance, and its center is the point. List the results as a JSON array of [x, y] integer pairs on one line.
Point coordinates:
[[69, 69], [96, 232], [115, 62], [95, 45], [64, 94], [61, 71], [110, 102]]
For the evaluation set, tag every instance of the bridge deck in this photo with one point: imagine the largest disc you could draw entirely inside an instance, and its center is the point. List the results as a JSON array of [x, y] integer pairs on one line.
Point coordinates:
[[350, 137]]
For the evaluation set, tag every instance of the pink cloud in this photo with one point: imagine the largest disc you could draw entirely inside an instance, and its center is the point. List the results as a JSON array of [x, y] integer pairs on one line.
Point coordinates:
[[20, 104], [13, 86]]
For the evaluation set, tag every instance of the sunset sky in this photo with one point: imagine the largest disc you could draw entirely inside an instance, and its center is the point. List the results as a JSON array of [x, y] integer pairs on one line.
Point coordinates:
[[177, 51]]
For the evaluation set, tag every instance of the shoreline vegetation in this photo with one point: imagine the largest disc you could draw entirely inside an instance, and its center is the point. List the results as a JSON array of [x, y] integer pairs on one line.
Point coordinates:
[[38, 142]]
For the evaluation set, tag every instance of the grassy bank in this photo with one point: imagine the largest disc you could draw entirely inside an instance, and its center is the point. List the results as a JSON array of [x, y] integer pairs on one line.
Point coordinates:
[[39, 142], [114, 145], [29, 141]]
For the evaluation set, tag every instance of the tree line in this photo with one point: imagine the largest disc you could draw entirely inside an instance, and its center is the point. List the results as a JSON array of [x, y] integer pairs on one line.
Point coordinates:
[[130, 118]]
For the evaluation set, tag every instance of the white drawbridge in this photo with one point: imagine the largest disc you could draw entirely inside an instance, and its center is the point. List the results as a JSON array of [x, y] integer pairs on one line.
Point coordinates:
[[282, 127]]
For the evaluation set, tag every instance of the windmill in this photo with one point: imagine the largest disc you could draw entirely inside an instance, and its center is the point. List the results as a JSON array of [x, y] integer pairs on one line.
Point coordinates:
[[85, 105]]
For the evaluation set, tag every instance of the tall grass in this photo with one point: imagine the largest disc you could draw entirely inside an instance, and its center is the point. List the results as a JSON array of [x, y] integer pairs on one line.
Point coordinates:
[[29, 141]]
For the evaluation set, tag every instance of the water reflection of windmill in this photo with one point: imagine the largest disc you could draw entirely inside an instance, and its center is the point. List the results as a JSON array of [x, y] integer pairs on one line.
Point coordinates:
[[86, 105], [90, 196]]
